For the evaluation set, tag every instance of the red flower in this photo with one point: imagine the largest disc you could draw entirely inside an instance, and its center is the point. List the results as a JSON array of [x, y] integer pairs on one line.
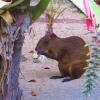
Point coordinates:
[[89, 23]]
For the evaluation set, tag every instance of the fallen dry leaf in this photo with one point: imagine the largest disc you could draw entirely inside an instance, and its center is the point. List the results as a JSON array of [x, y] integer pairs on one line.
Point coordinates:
[[46, 68], [32, 81], [34, 93]]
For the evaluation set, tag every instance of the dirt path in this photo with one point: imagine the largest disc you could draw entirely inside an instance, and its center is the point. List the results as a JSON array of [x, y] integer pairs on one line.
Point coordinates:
[[43, 87]]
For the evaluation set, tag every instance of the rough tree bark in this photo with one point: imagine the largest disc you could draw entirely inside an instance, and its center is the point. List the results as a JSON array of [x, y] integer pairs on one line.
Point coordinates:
[[13, 90], [12, 42]]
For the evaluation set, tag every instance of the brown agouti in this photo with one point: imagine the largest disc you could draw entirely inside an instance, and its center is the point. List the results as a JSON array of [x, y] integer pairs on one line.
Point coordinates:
[[70, 53]]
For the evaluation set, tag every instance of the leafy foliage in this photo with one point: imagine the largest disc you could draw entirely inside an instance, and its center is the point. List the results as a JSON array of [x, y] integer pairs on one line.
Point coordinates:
[[38, 9], [16, 3], [24, 6], [91, 75]]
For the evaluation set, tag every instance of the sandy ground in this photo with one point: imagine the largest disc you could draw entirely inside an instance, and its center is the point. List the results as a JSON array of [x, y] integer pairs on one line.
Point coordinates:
[[43, 87]]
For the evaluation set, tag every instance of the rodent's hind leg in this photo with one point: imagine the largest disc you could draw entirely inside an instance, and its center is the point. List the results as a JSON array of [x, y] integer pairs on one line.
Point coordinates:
[[56, 77]]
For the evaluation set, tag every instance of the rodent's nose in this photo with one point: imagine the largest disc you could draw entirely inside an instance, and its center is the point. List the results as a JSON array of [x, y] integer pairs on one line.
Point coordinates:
[[36, 49], [41, 51]]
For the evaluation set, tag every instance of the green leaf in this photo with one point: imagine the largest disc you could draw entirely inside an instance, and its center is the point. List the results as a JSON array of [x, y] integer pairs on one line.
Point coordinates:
[[4, 3], [82, 15], [37, 10], [25, 3], [88, 32], [98, 62], [13, 4], [98, 56]]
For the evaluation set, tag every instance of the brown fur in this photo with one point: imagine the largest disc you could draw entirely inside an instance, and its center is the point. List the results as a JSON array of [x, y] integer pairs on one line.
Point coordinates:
[[69, 52]]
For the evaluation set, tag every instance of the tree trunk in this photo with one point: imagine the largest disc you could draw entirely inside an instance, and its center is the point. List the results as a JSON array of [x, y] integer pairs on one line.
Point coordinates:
[[13, 91], [12, 42]]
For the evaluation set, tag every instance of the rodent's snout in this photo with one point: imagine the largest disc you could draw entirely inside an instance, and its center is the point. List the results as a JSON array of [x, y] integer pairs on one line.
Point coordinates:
[[36, 49], [39, 51]]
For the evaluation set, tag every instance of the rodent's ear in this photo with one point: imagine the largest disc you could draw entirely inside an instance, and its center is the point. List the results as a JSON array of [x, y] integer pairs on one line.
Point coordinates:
[[52, 36]]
